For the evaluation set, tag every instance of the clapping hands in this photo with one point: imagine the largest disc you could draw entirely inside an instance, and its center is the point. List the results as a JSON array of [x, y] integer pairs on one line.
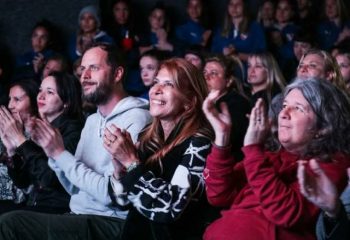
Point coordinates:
[[119, 144], [11, 130], [317, 187], [220, 120], [46, 136], [258, 124]]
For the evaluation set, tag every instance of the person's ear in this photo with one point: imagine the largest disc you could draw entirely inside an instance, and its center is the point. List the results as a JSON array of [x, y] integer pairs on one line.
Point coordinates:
[[118, 74]]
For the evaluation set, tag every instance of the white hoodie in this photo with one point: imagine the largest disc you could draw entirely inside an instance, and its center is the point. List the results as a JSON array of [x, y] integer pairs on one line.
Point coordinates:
[[85, 176]]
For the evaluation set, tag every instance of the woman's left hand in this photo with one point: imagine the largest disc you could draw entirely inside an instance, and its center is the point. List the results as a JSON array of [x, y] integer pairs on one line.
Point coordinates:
[[119, 144], [12, 127], [258, 124]]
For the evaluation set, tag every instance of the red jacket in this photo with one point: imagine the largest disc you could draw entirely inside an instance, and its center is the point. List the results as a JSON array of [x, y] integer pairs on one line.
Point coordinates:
[[262, 194]]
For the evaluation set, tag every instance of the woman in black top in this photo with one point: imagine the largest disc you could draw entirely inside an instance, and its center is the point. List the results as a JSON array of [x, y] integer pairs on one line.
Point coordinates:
[[59, 101], [163, 183]]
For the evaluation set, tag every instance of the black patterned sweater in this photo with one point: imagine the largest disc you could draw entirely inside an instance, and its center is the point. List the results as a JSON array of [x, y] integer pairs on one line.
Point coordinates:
[[168, 204]]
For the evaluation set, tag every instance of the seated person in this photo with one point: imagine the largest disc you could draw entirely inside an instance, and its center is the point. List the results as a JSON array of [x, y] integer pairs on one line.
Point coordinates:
[[264, 77], [149, 65], [85, 175], [30, 64], [55, 63], [59, 103], [238, 34], [88, 32], [262, 192], [194, 31], [157, 33], [163, 185], [22, 104], [343, 60], [220, 75], [195, 54], [317, 63]]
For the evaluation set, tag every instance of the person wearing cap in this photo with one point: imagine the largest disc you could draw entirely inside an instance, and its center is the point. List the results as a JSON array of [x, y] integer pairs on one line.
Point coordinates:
[[89, 32]]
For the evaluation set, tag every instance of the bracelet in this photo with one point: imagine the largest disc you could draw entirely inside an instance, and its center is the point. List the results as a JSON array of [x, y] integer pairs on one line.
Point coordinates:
[[132, 166]]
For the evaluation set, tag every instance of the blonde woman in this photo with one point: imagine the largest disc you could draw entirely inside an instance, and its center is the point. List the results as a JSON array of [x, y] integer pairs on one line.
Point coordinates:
[[264, 77], [320, 64]]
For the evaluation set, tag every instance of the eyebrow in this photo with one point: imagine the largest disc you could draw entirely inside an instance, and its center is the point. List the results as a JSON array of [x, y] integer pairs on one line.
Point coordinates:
[[49, 88]]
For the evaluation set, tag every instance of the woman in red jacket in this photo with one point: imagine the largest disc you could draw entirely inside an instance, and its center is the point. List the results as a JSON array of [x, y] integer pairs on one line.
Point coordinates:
[[262, 193]]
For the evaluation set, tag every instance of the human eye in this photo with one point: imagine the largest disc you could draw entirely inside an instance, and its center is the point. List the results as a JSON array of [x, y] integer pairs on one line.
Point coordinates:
[[312, 66], [154, 82], [299, 109], [94, 68], [344, 65], [151, 68], [169, 84], [214, 73]]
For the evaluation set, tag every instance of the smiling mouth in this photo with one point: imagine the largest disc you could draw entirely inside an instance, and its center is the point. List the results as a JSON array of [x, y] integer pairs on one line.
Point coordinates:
[[158, 102]]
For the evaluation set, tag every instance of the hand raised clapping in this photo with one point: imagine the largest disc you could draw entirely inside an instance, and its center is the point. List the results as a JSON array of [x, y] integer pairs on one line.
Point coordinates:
[[46, 136], [11, 130], [220, 120], [317, 187], [258, 124], [119, 144]]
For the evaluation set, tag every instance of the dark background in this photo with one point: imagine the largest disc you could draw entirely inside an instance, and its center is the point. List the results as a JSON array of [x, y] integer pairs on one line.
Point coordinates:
[[17, 17]]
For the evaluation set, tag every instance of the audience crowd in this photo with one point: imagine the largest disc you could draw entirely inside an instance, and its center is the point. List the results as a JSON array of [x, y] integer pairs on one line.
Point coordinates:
[[239, 130]]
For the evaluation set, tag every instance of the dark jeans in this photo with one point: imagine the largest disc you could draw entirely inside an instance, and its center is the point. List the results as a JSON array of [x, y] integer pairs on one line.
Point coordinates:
[[25, 225]]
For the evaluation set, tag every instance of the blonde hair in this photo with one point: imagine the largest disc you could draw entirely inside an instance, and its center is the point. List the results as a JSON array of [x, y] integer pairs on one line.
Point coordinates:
[[274, 74], [331, 67], [192, 86]]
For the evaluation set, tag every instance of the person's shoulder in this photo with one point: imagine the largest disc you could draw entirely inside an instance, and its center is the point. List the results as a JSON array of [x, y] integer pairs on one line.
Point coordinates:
[[92, 118], [133, 103], [200, 138]]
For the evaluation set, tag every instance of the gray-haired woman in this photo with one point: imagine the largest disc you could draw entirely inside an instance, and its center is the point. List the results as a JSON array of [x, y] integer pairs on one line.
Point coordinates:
[[262, 191]]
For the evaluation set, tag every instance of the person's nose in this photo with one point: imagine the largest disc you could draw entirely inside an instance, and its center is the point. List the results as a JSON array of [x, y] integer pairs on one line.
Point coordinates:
[[157, 88], [11, 104], [86, 74], [285, 113], [41, 95]]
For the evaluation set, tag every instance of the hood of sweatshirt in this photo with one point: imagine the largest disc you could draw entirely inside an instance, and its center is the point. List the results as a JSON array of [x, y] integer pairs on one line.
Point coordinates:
[[127, 104]]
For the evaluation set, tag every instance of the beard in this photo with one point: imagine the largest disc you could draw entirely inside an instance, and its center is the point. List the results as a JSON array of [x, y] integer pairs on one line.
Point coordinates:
[[101, 94]]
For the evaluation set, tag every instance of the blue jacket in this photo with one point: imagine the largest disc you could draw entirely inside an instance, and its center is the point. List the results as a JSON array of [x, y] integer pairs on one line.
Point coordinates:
[[251, 42]]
